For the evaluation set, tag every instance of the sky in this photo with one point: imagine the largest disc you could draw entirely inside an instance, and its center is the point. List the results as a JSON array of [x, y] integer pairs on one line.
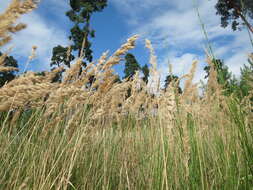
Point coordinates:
[[173, 26]]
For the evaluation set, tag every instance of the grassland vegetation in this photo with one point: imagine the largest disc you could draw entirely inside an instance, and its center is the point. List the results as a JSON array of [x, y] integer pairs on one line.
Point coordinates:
[[70, 135]]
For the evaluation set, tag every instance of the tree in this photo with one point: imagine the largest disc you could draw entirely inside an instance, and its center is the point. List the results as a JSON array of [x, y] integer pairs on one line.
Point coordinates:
[[80, 14], [231, 11], [131, 66], [117, 79], [224, 77], [145, 71], [246, 78], [61, 56], [172, 79], [6, 77]]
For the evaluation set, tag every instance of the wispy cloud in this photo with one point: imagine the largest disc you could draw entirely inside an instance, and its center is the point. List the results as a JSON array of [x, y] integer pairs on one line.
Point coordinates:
[[175, 29], [42, 32]]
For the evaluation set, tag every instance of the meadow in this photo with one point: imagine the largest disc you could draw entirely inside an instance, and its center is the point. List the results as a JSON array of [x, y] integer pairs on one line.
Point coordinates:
[[77, 135]]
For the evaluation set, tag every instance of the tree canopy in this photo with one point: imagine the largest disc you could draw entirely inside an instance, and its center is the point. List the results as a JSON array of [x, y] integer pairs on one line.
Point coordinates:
[[80, 14], [232, 11], [131, 66], [246, 78], [172, 79], [5, 77], [145, 71], [224, 76], [61, 56]]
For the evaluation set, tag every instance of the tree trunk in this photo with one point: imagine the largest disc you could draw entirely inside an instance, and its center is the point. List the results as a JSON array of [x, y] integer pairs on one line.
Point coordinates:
[[239, 12], [250, 27]]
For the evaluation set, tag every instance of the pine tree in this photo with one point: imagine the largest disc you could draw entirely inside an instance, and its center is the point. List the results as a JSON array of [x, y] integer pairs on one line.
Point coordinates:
[[80, 14], [61, 57], [6, 77], [246, 79], [131, 66], [80, 34], [232, 11], [145, 71], [224, 77]]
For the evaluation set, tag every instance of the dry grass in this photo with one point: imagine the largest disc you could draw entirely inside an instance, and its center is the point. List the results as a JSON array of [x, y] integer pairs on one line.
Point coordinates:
[[9, 18], [76, 135], [109, 100]]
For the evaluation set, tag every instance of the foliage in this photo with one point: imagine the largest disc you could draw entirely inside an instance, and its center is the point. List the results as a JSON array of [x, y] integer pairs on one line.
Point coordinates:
[[174, 81], [246, 79], [224, 77], [233, 10], [211, 152], [66, 136], [131, 66], [80, 14], [61, 56], [7, 76], [117, 79], [145, 71]]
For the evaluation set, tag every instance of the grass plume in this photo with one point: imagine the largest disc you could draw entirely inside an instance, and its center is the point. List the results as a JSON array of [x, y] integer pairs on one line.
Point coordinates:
[[81, 135]]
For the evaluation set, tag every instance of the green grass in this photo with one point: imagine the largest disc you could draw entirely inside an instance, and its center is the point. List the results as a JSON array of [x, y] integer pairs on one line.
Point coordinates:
[[129, 154]]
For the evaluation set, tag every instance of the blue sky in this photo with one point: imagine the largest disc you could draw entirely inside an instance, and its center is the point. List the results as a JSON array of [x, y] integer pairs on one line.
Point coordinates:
[[172, 25]]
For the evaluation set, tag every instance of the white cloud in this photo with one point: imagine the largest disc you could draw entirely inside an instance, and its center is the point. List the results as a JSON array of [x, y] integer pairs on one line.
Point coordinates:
[[41, 33], [176, 24], [181, 64], [236, 60]]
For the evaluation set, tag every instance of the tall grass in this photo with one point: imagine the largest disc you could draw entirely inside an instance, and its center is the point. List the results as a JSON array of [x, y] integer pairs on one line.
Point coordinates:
[[77, 135], [130, 153]]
